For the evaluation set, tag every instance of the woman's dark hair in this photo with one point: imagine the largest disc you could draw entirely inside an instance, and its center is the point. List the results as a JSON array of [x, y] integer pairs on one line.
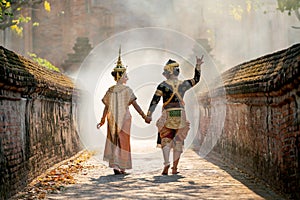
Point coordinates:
[[117, 75]]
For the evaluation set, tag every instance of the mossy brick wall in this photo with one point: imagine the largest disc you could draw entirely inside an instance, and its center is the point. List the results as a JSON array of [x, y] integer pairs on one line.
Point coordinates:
[[261, 132], [38, 124]]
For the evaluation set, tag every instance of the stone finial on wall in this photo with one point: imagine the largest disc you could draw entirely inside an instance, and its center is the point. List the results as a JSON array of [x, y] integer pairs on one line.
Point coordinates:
[[81, 49]]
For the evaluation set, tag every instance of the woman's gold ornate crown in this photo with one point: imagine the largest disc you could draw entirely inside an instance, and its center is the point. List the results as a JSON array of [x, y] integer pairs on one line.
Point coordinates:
[[119, 67]]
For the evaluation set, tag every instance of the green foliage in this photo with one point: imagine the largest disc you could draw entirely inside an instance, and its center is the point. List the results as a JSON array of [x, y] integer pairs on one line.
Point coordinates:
[[24, 19], [35, 24], [5, 10], [288, 5], [43, 62], [10, 13]]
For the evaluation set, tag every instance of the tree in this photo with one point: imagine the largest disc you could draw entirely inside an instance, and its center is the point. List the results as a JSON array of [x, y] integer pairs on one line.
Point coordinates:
[[290, 6], [10, 16], [10, 11]]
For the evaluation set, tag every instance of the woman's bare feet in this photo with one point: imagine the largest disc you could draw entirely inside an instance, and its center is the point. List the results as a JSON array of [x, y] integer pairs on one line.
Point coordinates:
[[166, 169]]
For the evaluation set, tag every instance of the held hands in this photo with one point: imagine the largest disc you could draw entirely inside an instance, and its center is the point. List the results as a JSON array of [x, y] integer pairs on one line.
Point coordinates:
[[148, 119], [199, 62]]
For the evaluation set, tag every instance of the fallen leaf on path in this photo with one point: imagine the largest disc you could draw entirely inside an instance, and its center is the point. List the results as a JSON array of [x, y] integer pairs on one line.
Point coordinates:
[[56, 179]]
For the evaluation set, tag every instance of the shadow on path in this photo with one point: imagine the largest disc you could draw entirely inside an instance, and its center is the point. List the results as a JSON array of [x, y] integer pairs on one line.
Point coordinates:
[[130, 187], [250, 182], [198, 179], [108, 178]]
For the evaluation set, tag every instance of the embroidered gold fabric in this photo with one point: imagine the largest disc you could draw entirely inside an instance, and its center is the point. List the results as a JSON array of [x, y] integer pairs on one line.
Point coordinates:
[[175, 118], [117, 98], [174, 83], [158, 93]]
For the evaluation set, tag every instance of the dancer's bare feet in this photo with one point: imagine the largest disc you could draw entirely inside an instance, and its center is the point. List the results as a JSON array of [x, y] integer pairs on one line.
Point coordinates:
[[117, 172], [166, 169], [174, 170]]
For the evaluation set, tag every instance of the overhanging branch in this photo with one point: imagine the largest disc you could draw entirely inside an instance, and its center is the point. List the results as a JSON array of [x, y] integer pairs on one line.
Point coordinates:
[[11, 13], [297, 13]]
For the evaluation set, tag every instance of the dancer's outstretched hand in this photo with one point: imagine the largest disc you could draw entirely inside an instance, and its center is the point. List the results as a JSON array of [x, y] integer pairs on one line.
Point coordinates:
[[199, 62]]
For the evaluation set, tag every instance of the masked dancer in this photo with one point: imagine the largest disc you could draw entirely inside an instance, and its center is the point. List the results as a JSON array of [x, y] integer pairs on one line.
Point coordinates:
[[172, 126]]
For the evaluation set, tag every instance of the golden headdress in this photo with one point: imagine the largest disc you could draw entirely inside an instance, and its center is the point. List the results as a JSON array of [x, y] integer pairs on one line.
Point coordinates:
[[119, 69], [170, 66]]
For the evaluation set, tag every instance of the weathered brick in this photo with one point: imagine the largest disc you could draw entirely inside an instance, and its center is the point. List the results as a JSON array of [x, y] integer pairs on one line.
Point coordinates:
[[26, 121], [261, 129]]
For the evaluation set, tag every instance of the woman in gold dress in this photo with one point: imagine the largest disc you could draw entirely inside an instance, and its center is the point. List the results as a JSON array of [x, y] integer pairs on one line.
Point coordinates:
[[117, 100]]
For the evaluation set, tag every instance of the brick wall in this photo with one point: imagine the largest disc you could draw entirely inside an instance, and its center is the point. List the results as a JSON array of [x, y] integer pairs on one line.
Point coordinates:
[[261, 132], [68, 20], [37, 121]]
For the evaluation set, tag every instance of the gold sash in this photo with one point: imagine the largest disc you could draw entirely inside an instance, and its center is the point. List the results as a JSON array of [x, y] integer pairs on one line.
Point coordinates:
[[175, 118]]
